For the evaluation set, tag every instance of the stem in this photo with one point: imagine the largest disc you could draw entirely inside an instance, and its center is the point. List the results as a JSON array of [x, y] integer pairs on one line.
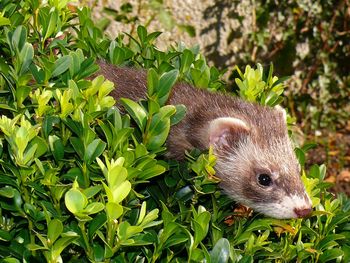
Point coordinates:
[[154, 258], [148, 22], [157, 251], [145, 135], [110, 235], [32, 236], [85, 238], [138, 12], [116, 247], [112, 229], [27, 199], [85, 175], [111, 238]]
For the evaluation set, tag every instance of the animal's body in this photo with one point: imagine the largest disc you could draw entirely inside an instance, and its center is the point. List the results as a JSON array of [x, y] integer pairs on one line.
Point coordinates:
[[255, 157]]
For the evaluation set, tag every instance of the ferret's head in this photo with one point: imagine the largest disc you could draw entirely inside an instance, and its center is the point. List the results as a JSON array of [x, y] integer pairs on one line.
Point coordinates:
[[257, 163]]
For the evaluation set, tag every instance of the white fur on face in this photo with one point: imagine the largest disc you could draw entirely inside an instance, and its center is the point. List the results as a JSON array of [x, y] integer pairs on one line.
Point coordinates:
[[286, 207], [280, 151], [279, 160]]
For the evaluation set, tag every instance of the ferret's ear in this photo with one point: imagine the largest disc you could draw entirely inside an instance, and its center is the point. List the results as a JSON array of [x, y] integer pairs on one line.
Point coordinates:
[[282, 111], [224, 130]]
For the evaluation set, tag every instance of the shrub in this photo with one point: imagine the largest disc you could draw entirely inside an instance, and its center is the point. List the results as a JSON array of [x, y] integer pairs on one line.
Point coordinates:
[[81, 181], [305, 39]]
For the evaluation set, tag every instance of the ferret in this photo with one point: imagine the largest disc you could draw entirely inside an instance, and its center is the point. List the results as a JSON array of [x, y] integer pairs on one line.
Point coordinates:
[[255, 158]]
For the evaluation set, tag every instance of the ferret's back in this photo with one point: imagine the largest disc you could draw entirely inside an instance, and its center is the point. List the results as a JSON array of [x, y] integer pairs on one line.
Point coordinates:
[[129, 83]]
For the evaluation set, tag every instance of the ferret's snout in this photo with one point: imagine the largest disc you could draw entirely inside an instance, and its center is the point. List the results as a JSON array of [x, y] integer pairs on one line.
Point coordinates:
[[302, 212]]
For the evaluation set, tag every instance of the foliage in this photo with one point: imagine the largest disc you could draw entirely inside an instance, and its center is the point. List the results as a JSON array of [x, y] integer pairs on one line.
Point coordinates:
[[132, 13], [305, 39], [311, 44], [81, 181]]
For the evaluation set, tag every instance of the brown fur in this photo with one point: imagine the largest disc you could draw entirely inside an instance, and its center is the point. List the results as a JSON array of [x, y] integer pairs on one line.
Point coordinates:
[[202, 107], [265, 149]]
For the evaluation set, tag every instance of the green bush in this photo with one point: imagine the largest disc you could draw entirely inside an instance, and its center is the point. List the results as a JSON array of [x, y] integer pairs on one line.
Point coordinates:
[[305, 39], [308, 40], [81, 181]]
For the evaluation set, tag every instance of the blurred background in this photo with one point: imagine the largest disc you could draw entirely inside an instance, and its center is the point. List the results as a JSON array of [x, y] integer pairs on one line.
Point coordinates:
[[307, 40]]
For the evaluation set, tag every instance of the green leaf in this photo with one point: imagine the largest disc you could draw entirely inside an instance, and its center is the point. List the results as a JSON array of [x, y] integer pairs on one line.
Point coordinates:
[[246, 259], [221, 251], [74, 67], [113, 210], [109, 192], [329, 241], [22, 93], [92, 191], [87, 68], [197, 255], [179, 114], [7, 192], [77, 145], [26, 56], [99, 252], [176, 240], [121, 191], [125, 230], [158, 131], [152, 36], [166, 82], [136, 111], [32, 247], [56, 147], [190, 30], [116, 176], [152, 172], [7, 107], [331, 254], [94, 208], [152, 82], [142, 33], [41, 146], [28, 155], [323, 169], [153, 106], [187, 59], [269, 77], [169, 229], [53, 20], [61, 65], [38, 74], [62, 243], [4, 21], [142, 213], [158, 137], [55, 228], [75, 201], [117, 56], [94, 150], [201, 225], [279, 81], [5, 236], [95, 224], [143, 240], [300, 154], [48, 123], [18, 39]]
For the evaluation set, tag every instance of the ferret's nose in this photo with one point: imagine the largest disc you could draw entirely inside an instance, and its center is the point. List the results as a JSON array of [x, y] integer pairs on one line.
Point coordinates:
[[302, 212]]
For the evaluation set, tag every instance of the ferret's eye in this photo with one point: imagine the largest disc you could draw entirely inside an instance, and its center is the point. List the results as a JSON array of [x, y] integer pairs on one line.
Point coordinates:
[[264, 179]]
